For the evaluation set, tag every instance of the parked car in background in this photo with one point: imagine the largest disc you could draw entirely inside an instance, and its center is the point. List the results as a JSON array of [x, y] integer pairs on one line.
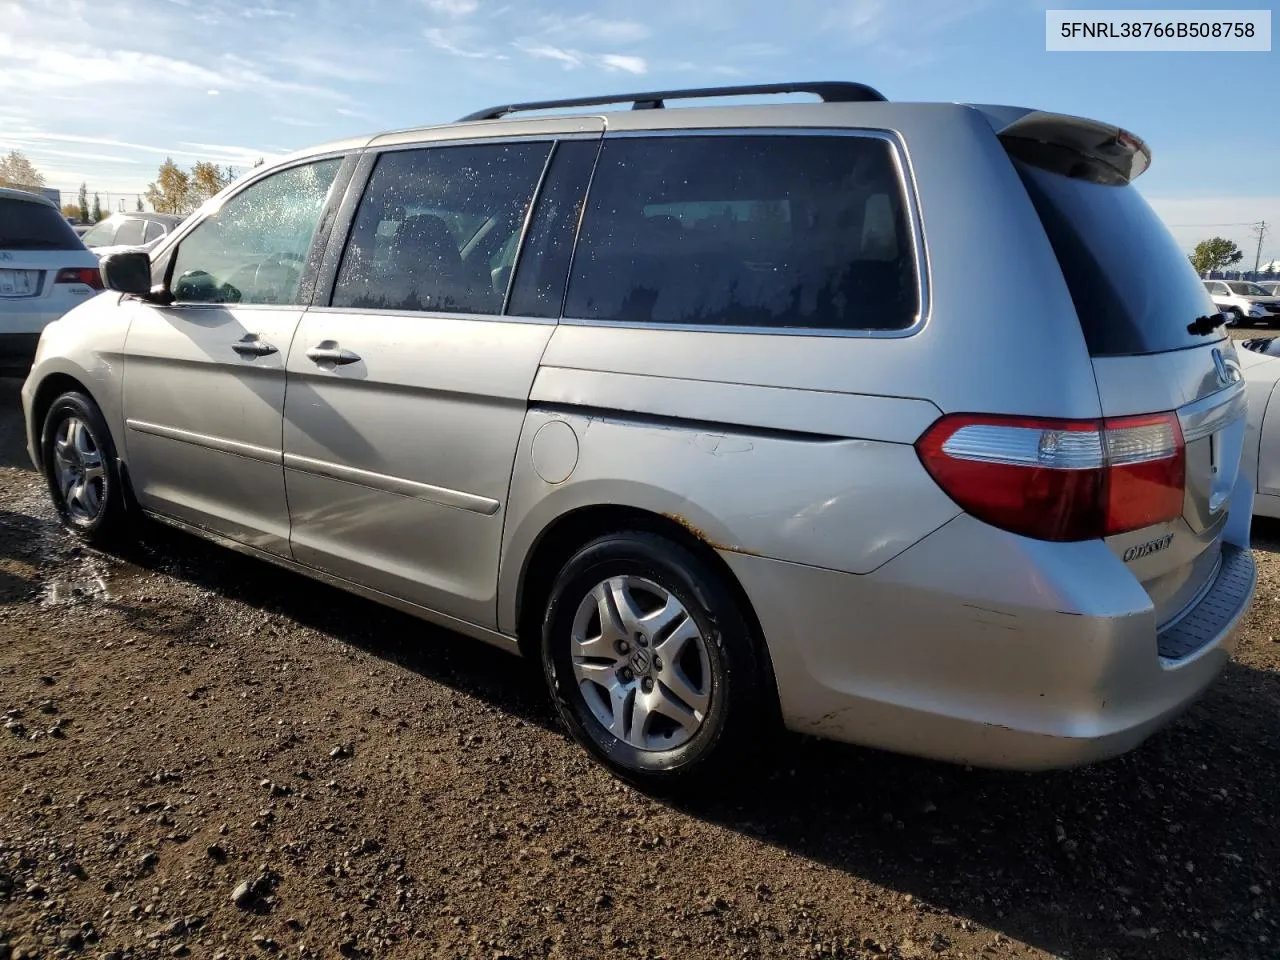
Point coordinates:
[[1260, 362], [1244, 302], [708, 410], [1271, 286], [44, 271], [130, 231]]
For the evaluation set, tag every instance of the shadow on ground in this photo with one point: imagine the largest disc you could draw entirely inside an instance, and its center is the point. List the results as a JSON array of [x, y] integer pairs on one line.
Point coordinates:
[[1139, 856]]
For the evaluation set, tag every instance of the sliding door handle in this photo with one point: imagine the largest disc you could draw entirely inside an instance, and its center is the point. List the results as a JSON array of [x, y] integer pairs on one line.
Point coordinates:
[[328, 352], [250, 346]]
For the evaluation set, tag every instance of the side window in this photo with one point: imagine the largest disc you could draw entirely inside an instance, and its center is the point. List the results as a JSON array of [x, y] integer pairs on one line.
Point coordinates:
[[130, 232], [1218, 288], [102, 234], [154, 231], [771, 231], [252, 249], [438, 228], [544, 265]]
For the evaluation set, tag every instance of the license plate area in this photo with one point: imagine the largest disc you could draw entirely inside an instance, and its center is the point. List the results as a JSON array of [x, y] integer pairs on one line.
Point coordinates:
[[1214, 430], [19, 283]]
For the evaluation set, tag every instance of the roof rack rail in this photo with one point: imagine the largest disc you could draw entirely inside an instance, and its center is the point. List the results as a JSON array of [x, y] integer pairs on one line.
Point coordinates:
[[831, 91]]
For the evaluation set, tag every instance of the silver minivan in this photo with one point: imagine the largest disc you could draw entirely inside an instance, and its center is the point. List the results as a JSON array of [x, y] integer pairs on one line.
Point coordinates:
[[710, 409]]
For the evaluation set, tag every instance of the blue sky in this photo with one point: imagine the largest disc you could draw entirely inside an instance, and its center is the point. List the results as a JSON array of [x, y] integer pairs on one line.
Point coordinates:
[[101, 92]]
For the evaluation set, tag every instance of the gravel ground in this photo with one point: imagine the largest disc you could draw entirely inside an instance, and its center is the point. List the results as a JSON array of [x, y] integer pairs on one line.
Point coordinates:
[[205, 756]]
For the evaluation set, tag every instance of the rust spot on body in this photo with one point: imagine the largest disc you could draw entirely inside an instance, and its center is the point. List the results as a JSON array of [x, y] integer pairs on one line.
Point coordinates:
[[699, 534]]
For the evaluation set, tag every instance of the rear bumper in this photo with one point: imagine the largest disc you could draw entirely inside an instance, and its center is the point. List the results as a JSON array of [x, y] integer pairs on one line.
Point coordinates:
[[980, 647]]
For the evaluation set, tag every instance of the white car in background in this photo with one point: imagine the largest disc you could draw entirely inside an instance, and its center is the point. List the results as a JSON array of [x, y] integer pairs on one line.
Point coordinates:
[[1246, 303], [129, 231], [44, 271], [1260, 364], [1271, 286]]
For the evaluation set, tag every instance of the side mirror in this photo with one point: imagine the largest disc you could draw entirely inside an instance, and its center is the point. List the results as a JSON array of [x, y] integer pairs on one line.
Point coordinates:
[[127, 272]]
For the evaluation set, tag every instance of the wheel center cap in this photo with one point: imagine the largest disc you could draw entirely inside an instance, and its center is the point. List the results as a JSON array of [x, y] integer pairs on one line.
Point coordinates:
[[641, 661]]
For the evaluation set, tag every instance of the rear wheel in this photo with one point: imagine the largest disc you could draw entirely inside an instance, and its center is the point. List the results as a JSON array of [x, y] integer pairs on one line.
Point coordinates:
[[80, 467], [652, 665], [1235, 318]]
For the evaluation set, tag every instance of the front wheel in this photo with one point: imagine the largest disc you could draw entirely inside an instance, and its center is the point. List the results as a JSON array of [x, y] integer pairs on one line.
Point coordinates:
[[1235, 318], [80, 467], [652, 665]]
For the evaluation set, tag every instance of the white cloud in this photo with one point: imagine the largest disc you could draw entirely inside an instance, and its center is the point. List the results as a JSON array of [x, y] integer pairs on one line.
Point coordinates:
[[862, 21], [595, 29], [545, 51], [454, 8], [573, 59], [23, 146], [34, 141], [52, 66], [214, 93], [445, 41], [615, 61], [298, 122]]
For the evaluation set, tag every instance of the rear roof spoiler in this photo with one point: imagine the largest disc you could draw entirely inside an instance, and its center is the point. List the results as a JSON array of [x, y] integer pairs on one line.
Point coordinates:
[[1120, 151]]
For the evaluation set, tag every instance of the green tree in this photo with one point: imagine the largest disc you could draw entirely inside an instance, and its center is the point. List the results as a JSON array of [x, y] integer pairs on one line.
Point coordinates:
[[1214, 254], [171, 191], [84, 203], [19, 172], [207, 179], [97, 208]]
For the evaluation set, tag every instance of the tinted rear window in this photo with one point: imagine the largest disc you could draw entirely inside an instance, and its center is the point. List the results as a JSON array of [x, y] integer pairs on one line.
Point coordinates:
[[34, 226], [758, 231], [1132, 286]]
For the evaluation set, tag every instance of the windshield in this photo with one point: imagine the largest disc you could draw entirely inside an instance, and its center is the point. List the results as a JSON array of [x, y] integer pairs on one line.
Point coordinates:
[[102, 235], [1247, 289], [34, 226]]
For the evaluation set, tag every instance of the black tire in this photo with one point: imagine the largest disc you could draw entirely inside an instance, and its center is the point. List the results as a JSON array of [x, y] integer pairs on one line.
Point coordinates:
[[740, 715], [108, 523], [1236, 318]]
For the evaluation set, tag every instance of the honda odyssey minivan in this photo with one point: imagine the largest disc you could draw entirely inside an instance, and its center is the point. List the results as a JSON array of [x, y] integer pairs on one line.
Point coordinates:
[[708, 410]]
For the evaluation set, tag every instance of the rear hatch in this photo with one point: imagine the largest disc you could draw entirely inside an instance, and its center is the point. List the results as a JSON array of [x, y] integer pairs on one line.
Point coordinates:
[[37, 245], [1149, 325]]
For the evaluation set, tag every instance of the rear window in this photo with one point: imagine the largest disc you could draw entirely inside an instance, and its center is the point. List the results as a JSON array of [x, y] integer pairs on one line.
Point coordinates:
[[806, 232], [34, 226], [1132, 286]]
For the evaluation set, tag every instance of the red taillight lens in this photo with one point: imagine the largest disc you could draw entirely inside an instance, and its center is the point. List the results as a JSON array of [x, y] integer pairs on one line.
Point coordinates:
[[89, 276], [1059, 479]]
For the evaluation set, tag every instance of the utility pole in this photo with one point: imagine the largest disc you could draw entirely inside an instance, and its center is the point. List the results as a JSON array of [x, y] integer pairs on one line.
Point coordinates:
[[1260, 231]]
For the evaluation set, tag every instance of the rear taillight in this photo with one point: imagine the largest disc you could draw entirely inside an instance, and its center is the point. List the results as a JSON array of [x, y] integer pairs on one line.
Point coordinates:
[[1059, 479], [89, 276]]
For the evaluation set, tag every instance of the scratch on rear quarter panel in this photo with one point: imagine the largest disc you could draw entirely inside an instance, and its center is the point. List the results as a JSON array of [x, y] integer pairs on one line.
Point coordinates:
[[1000, 613]]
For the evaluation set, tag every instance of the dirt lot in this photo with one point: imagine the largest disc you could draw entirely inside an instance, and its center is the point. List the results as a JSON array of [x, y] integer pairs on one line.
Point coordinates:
[[205, 756]]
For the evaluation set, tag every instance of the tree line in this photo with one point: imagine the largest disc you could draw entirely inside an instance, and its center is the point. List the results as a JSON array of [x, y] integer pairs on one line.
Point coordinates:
[[180, 191], [173, 191]]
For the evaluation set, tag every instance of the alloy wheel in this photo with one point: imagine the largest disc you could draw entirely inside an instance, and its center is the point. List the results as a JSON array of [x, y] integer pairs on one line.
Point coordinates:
[[641, 665], [78, 470]]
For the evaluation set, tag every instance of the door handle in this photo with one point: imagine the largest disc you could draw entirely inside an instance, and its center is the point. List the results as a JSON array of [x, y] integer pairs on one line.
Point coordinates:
[[328, 351], [250, 346]]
